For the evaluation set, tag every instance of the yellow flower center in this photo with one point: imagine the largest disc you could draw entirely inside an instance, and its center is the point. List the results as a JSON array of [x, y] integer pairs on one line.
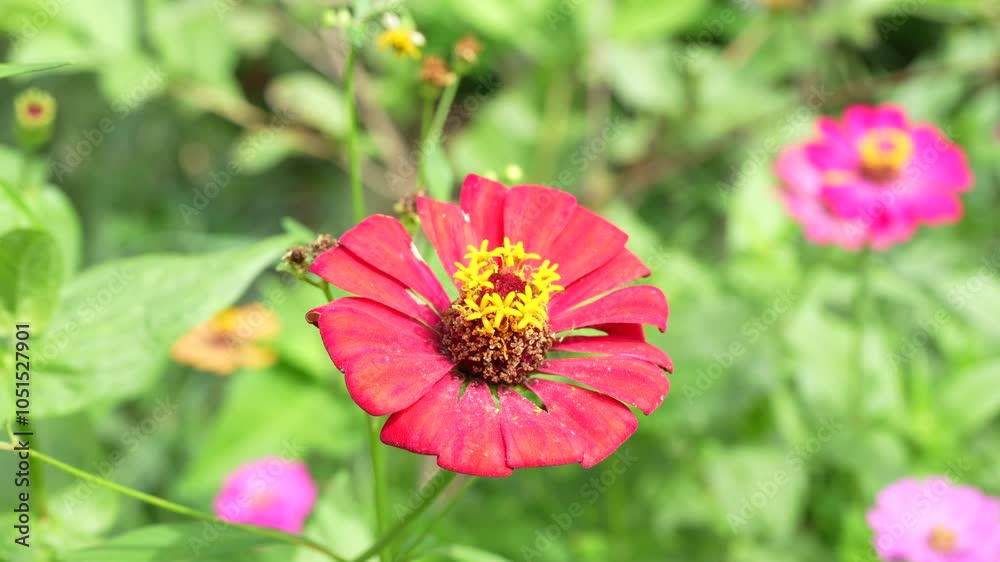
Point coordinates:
[[505, 289], [400, 39], [942, 539], [884, 152]]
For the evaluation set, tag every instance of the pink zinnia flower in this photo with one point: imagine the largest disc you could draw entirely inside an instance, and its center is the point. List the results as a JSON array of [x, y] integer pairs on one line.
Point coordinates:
[[269, 492], [934, 520], [461, 375], [872, 179]]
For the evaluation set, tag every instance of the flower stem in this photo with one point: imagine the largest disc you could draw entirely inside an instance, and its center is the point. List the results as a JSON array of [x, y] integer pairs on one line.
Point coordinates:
[[862, 299], [378, 477], [429, 524], [427, 494], [433, 134], [180, 509], [354, 157]]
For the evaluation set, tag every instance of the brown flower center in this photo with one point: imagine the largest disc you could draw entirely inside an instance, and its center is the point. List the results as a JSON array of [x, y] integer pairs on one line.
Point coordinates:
[[497, 329]]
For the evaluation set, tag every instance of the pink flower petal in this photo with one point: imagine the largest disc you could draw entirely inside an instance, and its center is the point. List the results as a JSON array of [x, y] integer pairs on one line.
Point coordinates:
[[425, 427], [633, 332], [615, 345], [629, 380], [937, 162], [389, 360], [448, 229], [601, 422], [620, 270], [586, 243], [477, 445], [638, 304], [534, 437], [384, 244], [483, 200], [344, 269], [888, 116], [463, 433], [535, 215]]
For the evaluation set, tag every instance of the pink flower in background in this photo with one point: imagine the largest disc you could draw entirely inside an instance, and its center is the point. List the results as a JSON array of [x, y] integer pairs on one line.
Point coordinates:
[[934, 520], [269, 492], [872, 178]]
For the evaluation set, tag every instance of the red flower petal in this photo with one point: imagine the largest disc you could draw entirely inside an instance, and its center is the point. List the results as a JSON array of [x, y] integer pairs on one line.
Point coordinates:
[[449, 230], [384, 243], [601, 422], [535, 215], [629, 380], [615, 345], [483, 200], [477, 444], [343, 269], [639, 304], [464, 434], [586, 243], [621, 270], [389, 360], [425, 427], [626, 331], [534, 437]]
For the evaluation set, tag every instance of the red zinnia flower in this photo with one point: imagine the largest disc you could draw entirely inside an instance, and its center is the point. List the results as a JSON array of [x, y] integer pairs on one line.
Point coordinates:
[[468, 378]]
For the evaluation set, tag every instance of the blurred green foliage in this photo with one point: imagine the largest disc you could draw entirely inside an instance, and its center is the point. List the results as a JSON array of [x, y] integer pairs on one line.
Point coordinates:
[[187, 129]]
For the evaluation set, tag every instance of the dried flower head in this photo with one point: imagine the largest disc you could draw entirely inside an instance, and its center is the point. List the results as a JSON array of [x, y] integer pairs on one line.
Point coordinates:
[[467, 49], [436, 73]]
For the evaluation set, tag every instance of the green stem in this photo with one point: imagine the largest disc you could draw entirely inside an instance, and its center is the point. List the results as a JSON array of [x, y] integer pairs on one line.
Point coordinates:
[[419, 536], [426, 114], [378, 477], [427, 497], [354, 156], [434, 132], [180, 509], [861, 314]]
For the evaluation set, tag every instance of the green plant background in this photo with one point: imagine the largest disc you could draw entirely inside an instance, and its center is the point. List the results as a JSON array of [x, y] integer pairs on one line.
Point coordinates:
[[663, 116]]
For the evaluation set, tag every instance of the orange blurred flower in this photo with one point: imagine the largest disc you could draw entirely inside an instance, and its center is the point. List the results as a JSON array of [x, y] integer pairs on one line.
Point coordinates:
[[229, 341]]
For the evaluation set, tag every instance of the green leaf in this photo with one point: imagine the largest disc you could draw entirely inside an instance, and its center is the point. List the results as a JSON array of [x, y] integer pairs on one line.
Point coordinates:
[[7, 69], [757, 489], [971, 399], [639, 20], [312, 99], [31, 272], [462, 553], [338, 522], [438, 173], [257, 151], [646, 78], [205, 542], [116, 322], [192, 41], [241, 433]]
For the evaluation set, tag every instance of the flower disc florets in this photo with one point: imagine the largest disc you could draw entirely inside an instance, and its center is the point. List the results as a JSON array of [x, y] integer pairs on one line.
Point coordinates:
[[497, 329]]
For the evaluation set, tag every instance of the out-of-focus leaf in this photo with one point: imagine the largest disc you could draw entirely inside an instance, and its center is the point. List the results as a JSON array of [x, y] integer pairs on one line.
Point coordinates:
[[7, 70], [30, 276], [338, 521], [646, 78], [256, 152], [757, 489], [970, 399], [245, 428], [311, 99], [116, 322], [640, 20], [205, 542], [192, 41]]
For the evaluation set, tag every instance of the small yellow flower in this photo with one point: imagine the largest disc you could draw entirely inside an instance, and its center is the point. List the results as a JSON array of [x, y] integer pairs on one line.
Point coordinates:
[[403, 39], [229, 341]]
